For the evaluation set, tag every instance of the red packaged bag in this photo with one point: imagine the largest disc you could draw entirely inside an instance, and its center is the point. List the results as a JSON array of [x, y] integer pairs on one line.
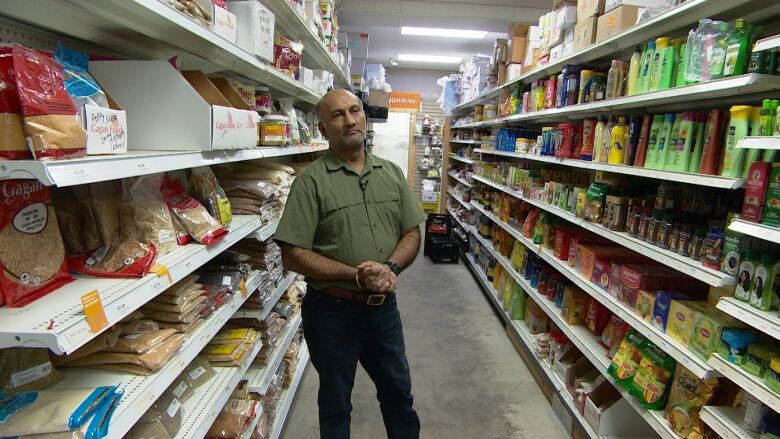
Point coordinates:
[[51, 125], [127, 259], [191, 214], [12, 147], [32, 255]]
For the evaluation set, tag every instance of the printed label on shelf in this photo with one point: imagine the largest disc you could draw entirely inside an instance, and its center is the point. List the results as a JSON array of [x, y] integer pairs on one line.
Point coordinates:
[[179, 390], [173, 407], [27, 376], [196, 373], [93, 310]]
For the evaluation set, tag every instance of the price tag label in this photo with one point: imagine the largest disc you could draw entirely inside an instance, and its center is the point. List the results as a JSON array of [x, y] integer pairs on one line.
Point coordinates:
[[93, 309], [161, 271], [242, 287]]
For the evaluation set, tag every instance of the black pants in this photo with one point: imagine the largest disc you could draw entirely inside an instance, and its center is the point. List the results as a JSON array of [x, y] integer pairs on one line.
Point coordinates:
[[338, 334]]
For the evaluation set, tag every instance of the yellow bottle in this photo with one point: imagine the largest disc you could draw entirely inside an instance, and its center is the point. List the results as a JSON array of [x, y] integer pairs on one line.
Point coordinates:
[[657, 67], [616, 146], [598, 139]]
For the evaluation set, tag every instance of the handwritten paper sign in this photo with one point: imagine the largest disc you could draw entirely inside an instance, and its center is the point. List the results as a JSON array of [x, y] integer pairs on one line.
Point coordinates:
[[106, 130]]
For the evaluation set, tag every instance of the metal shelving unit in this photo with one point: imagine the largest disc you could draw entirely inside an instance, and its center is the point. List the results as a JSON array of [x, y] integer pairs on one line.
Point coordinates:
[[463, 160], [459, 199], [459, 180], [261, 314], [750, 383], [715, 181], [283, 409], [767, 322], [757, 230], [259, 377], [727, 422]]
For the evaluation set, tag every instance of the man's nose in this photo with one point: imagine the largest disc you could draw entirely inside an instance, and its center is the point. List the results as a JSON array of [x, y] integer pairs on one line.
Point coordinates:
[[350, 120]]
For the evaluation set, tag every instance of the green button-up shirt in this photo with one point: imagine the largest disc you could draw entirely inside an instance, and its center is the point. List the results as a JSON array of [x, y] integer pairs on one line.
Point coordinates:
[[348, 217]]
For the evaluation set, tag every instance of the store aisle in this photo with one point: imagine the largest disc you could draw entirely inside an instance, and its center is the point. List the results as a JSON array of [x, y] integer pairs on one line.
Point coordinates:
[[468, 380]]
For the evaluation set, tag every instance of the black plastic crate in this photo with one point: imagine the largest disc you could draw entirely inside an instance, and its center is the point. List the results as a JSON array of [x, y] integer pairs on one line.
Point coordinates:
[[443, 249], [436, 225]]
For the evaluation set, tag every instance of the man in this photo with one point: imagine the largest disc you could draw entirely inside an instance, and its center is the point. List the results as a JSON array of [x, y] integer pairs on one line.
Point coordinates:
[[351, 225]]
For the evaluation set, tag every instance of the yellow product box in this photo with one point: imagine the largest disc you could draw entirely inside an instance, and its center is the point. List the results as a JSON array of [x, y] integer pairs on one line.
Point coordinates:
[[680, 324], [708, 325], [574, 305], [645, 303]]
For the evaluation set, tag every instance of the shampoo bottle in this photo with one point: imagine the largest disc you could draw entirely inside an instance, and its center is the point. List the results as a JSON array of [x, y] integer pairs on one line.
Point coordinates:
[[738, 128], [644, 75], [633, 135], [664, 137], [605, 143], [671, 64], [617, 146], [644, 138], [671, 143], [699, 130], [680, 151], [710, 155], [588, 137], [633, 71], [656, 69], [737, 50], [656, 127], [598, 139], [682, 64], [754, 129]]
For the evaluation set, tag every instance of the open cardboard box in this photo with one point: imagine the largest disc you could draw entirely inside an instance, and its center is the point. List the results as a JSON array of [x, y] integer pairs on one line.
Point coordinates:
[[175, 111], [611, 415], [106, 128]]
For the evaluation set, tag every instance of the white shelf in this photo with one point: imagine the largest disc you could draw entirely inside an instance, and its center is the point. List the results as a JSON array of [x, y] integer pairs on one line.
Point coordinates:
[[57, 321], [767, 43], [727, 422], [757, 230], [487, 287], [759, 142], [767, 322], [463, 159], [750, 383], [93, 169], [261, 314], [465, 141], [715, 181], [247, 434], [459, 180], [283, 409], [266, 231], [203, 407], [293, 25], [678, 18], [586, 343], [140, 392], [148, 29], [739, 87], [459, 199], [683, 264], [671, 347], [463, 225], [259, 377]]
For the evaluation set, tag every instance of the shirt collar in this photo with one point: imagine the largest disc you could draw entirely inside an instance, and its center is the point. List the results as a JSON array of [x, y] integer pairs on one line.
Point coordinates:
[[334, 163]]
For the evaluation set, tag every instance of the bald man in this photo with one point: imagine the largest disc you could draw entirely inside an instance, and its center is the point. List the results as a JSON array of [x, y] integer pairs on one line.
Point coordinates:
[[351, 225]]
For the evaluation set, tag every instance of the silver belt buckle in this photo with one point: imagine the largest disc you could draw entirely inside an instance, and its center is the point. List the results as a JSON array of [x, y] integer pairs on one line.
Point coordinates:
[[376, 299]]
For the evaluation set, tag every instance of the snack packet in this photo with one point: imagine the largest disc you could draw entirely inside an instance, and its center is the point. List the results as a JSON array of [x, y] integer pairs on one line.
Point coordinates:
[[13, 146], [192, 215]]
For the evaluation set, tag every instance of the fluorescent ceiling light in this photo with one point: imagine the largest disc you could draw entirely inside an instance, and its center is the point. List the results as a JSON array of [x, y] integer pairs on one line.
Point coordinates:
[[430, 58], [439, 32]]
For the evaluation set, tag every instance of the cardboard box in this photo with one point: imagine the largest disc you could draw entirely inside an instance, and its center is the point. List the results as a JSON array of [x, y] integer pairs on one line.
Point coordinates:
[[163, 100], [247, 93], [516, 51], [225, 87], [663, 301], [378, 98], [680, 324], [566, 17], [589, 8], [502, 74], [645, 303], [616, 21], [517, 30], [609, 414], [225, 24], [755, 191], [585, 33], [513, 70]]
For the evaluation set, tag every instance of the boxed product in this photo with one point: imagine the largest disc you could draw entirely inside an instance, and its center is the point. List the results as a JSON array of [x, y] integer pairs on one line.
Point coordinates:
[[513, 71], [772, 206], [518, 30], [708, 326], [154, 91], [225, 24], [516, 50], [646, 277], [645, 303], [679, 327], [255, 28], [588, 9], [602, 269], [585, 32], [663, 301], [734, 343], [596, 316], [574, 305], [755, 191], [616, 21], [287, 55]]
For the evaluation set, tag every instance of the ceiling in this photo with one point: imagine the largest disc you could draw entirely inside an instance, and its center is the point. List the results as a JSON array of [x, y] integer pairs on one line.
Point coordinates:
[[382, 20]]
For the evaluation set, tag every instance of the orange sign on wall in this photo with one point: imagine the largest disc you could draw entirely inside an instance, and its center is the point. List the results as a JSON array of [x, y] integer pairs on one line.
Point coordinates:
[[408, 102]]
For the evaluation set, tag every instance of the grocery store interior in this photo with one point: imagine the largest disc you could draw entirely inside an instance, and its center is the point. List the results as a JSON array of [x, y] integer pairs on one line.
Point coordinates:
[[599, 251]]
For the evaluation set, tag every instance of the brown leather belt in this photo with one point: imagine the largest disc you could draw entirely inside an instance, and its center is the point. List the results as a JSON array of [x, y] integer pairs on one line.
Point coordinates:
[[372, 299]]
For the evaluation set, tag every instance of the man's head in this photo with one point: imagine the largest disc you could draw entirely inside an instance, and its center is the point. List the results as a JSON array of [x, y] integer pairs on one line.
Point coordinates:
[[342, 121]]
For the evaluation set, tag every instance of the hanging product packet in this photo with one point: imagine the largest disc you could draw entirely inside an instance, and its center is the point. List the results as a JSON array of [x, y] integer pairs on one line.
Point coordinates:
[[192, 215], [32, 254], [206, 189], [152, 217], [13, 146], [653, 377], [79, 84], [50, 411], [51, 125], [625, 363]]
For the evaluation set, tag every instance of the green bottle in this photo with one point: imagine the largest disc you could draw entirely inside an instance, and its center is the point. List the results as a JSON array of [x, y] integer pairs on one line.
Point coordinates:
[[699, 130], [717, 57], [644, 75], [737, 51], [665, 155], [651, 155]]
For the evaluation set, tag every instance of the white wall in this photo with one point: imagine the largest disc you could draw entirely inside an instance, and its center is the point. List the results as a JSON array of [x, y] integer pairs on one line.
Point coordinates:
[[416, 81]]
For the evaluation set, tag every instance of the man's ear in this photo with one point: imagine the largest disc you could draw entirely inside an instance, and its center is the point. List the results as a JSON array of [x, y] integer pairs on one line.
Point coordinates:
[[322, 130]]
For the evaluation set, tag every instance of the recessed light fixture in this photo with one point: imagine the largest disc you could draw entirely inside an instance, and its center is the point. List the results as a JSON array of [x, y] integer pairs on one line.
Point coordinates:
[[430, 58], [440, 32]]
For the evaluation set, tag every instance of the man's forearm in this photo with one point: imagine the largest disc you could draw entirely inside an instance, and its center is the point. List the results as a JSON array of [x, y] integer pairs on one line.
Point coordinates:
[[408, 247], [315, 266]]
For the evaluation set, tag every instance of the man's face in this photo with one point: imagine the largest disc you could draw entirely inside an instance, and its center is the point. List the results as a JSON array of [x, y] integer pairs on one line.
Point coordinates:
[[342, 121]]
